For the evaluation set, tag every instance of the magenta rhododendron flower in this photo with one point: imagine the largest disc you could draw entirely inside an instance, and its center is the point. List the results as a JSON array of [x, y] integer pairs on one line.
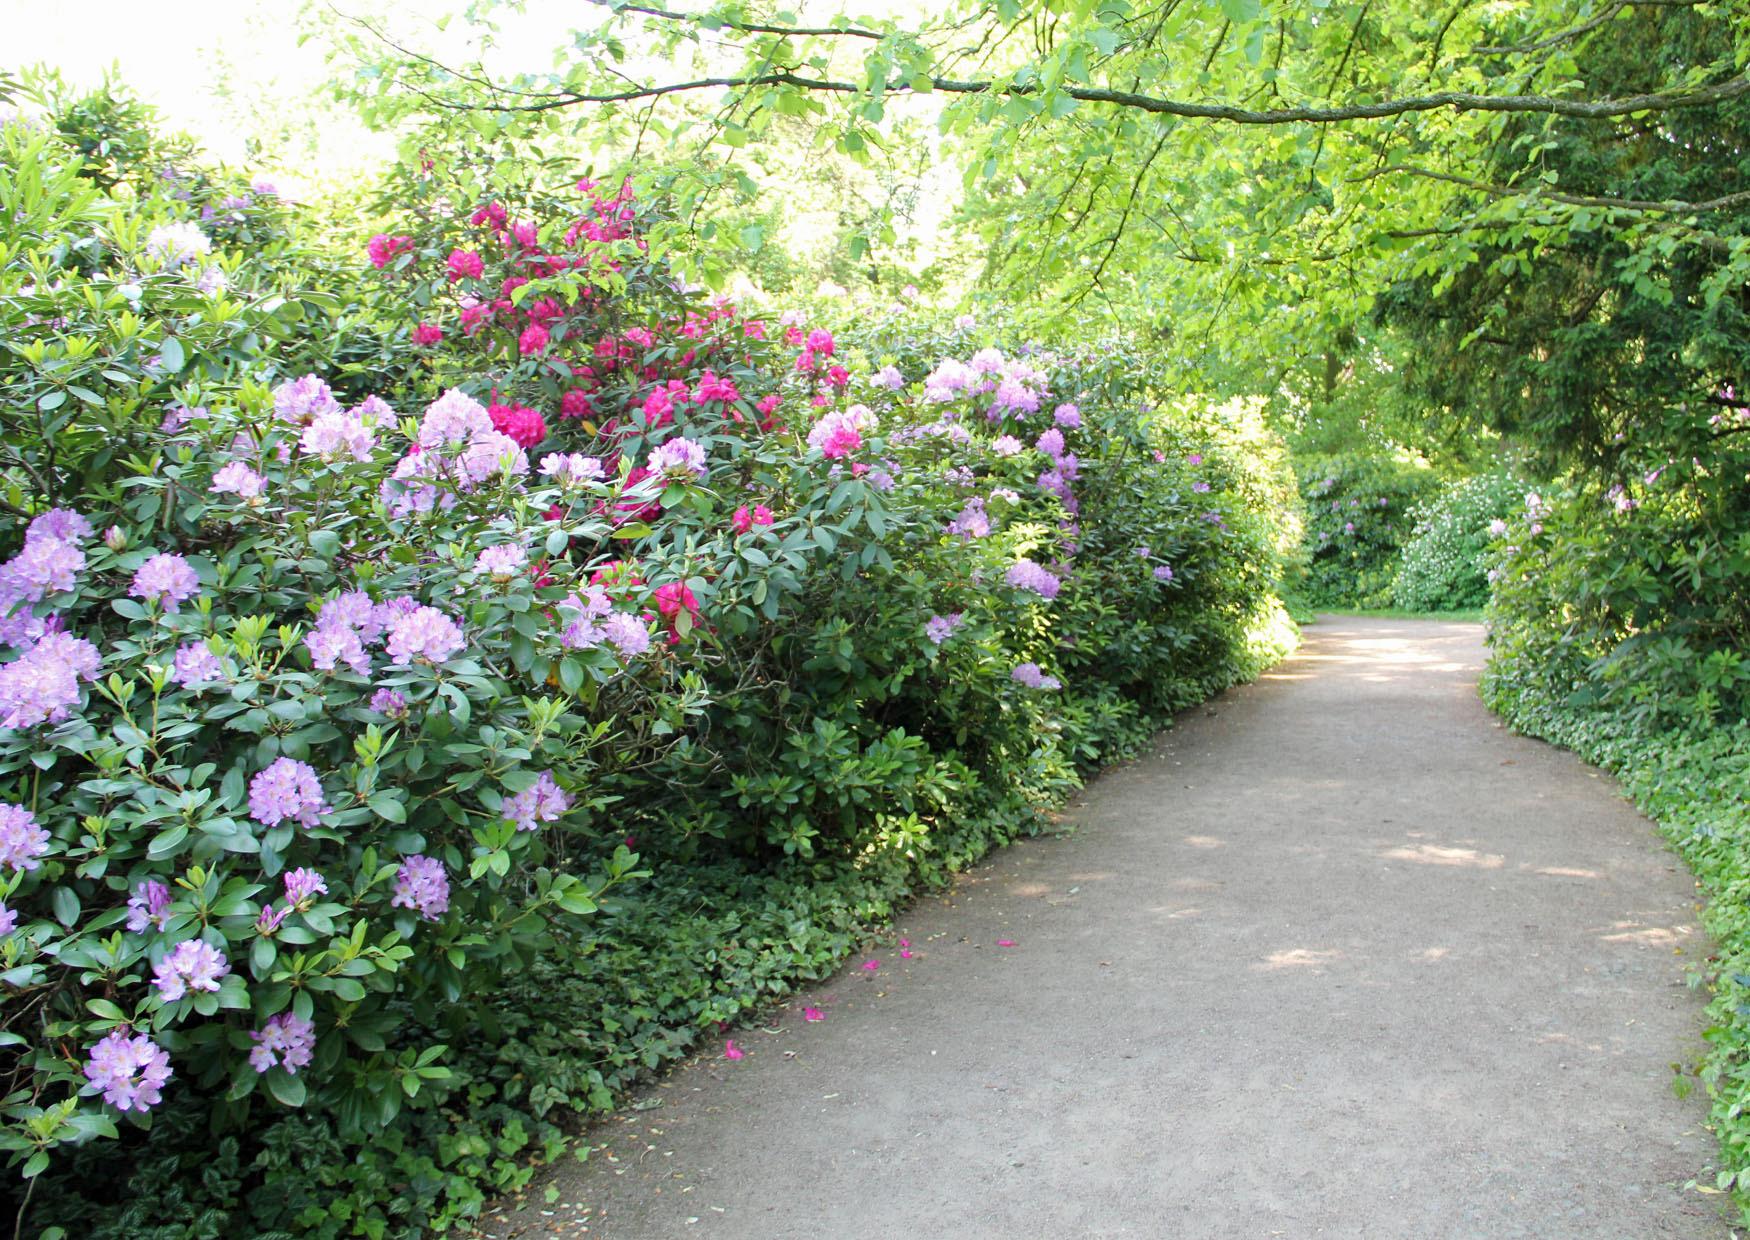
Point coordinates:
[[128, 1070], [526, 426], [167, 580], [427, 334], [533, 340], [762, 515], [835, 435], [742, 521], [465, 265], [383, 248], [22, 841]]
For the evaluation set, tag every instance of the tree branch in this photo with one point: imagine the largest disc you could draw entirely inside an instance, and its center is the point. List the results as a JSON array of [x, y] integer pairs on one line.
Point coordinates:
[[1456, 101], [1669, 207]]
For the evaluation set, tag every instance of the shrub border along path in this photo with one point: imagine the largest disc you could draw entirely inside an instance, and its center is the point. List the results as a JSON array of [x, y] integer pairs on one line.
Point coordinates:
[[1340, 953]]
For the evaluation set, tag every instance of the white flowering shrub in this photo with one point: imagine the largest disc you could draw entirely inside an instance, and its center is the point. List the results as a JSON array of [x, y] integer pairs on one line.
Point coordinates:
[[1445, 565]]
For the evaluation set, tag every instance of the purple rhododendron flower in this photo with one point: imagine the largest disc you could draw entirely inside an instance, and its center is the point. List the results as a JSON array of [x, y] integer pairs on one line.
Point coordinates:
[[8, 920], [679, 458], [1163, 572], [939, 628], [1027, 575], [454, 417], [304, 885], [167, 580], [1006, 445], [42, 685], [129, 1071], [45, 565], [287, 1040], [196, 665], [330, 645], [300, 401], [270, 918], [1067, 416], [192, 965], [501, 563], [567, 468], [629, 634], [972, 522], [22, 841], [236, 478], [335, 433], [286, 789], [542, 801], [490, 454], [1030, 675], [421, 885], [1050, 443], [389, 702], [147, 906], [424, 633], [61, 523]]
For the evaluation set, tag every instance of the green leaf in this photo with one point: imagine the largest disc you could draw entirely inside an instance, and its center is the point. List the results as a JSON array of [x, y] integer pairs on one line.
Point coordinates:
[[287, 1090]]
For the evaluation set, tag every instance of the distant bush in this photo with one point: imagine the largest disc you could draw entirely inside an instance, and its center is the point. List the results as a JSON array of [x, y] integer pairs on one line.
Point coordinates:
[[1445, 565], [1358, 519]]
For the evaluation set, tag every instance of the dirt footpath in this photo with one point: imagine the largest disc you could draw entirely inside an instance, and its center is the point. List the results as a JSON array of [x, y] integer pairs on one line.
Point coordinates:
[[1338, 957]]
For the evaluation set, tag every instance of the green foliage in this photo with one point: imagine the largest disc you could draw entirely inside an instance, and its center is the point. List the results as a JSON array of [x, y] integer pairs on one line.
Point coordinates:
[[1445, 565], [1359, 516]]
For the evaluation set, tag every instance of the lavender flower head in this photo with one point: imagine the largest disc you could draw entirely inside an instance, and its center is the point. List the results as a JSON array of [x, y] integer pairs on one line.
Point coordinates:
[[421, 885], [286, 789], [1027, 575], [628, 634], [490, 454], [452, 418], [1163, 572], [42, 686], [679, 458], [167, 580], [334, 433], [1006, 445], [569, 468], [129, 1071], [1029, 674], [1067, 416], [939, 628], [424, 633], [22, 841], [888, 377], [286, 1040], [542, 801], [196, 665], [236, 478], [8, 920], [191, 966], [501, 563], [304, 885], [973, 521], [178, 244], [389, 702], [301, 401]]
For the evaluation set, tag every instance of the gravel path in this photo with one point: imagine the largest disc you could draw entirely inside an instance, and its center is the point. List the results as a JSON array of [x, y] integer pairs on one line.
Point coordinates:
[[1338, 957]]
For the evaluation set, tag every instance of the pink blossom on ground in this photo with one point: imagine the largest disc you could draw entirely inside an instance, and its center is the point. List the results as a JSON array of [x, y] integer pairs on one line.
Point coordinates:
[[732, 1051], [812, 1014], [870, 966]]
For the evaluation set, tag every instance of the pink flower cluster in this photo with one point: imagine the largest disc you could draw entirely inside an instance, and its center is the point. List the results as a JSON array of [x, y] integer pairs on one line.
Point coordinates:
[[287, 789]]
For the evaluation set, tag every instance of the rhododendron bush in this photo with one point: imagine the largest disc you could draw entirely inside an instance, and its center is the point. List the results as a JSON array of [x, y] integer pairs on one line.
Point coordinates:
[[399, 742]]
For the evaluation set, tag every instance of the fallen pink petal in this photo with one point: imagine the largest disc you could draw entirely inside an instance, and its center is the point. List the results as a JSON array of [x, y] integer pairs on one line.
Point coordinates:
[[905, 953], [1005, 942], [869, 966], [732, 1051], [905, 942], [813, 1014]]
